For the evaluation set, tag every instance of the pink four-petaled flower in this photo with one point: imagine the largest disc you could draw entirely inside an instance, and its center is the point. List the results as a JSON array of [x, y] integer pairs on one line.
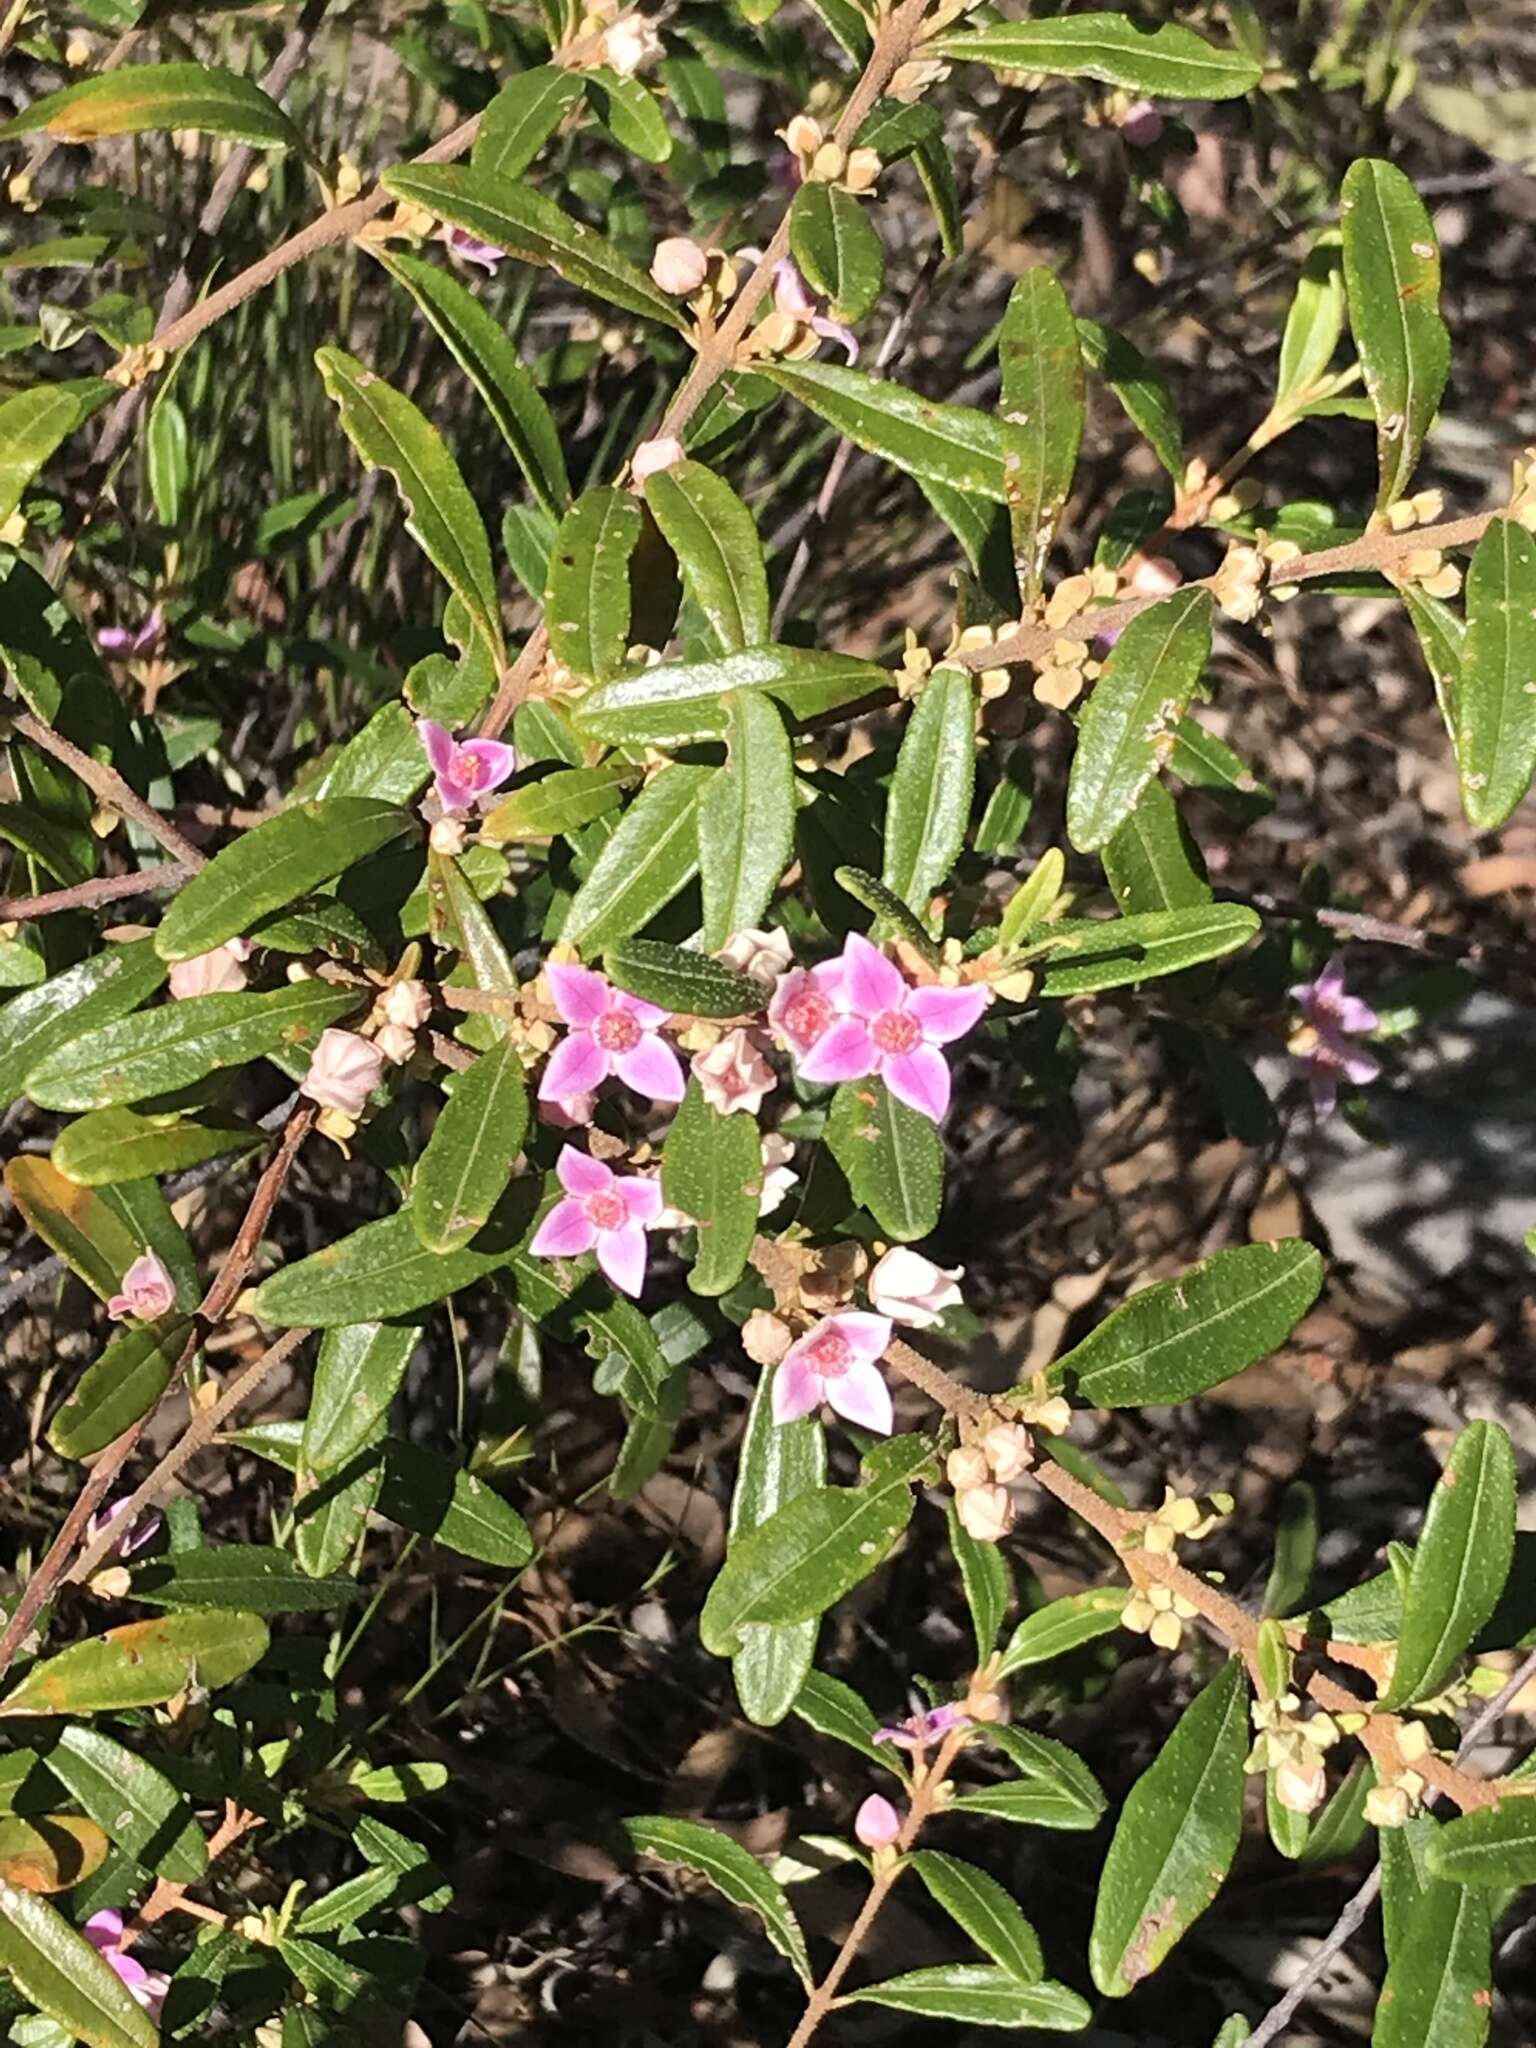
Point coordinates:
[[806, 1004], [464, 770], [148, 1291], [919, 1730], [611, 1033], [602, 1211], [149, 1988], [891, 1029], [1333, 1020], [837, 1362]]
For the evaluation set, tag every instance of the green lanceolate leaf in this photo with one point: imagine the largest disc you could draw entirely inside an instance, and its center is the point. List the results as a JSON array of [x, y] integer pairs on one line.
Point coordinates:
[[358, 1372], [815, 1549], [1495, 721], [268, 868], [653, 854], [892, 1156], [139, 97], [142, 1665], [889, 908], [382, 1271], [330, 1512], [1205, 762], [1088, 954], [836, 1710], [425, 1491], [731, 1870], [113, 1145], [1130, 717], [631, 113], [1442, 635], [1439, 1983], [1054, 1788], [1460, 1562], [1169, 61], [712, 1170], [1492, 1845], [184, 1042], [1141, 388], [522, 117], [65, 1978], [1042, 418], [1392, 276], [479, 344], [714, 538], [587, 601], [527, 225], [1180, 1337], [80, 1224], [1316, 319], [1175, 1839], [1026, 908], [952, 444], [560, 804], [930, 801], [34, 423], [778, 1462], [134, 1803], [1062, 1626], [746, 820], [120, 1386], [108, 985], [988, 1587], [389, 432], [251, 1576], [980, 1996], [831, 239], [679, 702], [1151, 862], [979, 1906], [678, 979], [468, 1163]]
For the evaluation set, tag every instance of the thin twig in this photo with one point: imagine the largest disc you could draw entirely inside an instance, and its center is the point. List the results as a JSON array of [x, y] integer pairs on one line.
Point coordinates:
[[106, 784], [102, 889]]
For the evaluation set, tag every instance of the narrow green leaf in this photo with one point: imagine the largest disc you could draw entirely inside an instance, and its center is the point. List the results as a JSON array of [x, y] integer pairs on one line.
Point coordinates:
[[979, 1996], [1205, 762], [469, 1158], [1132, 712], [930, 801], [679, 702], [183, 1043], [1168, 61], [117, 1388], [712, 1170], [558, 805], [1042, 418], [1392, 276], [897, 920], [587, 601], [1150, 862], [731, 1870], [1316, 319], [64, 1977], [390, 433], [1089, 954], [988, 1588], [138, 97], [113, 1145], [1141, 388], [78, 1223], [892, 1156], [143, 1664], [714, 538], [522, 117], [953, 444], [631, 113], [1460, 1562], [679, 979], [831, 239], [653, 854], [1439, 1983], [836, 1710], [331, 1512], [778, 1462], [1492, 1845], [425, 1491], [383, 1271], [1062, 1626], [1495, 722], [34, 423], [746, 819], [982, 1909], [358, 1371], [1296, 1534], [1174, 1843], [251, 1576], [1026, 908]]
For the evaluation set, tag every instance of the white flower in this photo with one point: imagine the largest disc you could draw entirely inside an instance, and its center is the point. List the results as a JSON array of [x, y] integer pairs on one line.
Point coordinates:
[[911, 1289]]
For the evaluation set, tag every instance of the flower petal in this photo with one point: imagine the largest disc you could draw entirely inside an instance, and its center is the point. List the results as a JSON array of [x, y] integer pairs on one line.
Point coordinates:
[[566, 1232], [437, 743], [861, 1396], [576, 1066], [580, 1174], [946, 1013], [621, 1254], [646, 1015], [104, 1929], [1352, 1014], [797, 1389], [489, 763], [1359, 1067], [834, 330], [641, 1196], [920, 1079], [871, 983], [580, 995], [652, 1069], [866, 1335], [845, 1053], [1325, 1088]]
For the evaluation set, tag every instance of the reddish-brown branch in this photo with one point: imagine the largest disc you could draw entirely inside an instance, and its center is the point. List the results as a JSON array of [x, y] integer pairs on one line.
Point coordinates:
[[108, 786], [102, 889]]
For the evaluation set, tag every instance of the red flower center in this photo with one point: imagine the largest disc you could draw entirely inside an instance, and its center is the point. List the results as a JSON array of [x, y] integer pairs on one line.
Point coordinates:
[[895, 1031], [617, 1031], [829, 1354], [607, 1210], [806, 1016]]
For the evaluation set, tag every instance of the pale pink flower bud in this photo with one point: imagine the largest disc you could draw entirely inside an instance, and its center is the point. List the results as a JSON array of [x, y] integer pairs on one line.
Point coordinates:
[[966, 1466], [343, 1073], [679, 265], [148, 1292], [1302, 1787], [408, 1003], [1143, 125], [651, 457], [397, 1042], [631, 43], [877, 1823], [986, 1512], [911, 1289], [762, 954], [733, 1074], [1008, 1451], [447, 836], [1152, 575], [219, 973], [779, 1174], [765, 1337]]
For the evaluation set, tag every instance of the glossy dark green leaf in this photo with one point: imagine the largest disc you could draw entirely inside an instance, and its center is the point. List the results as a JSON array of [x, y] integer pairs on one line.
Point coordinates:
[[892, 1156], [1392, 276], [474, 1145], [1460, 1562], [1150, 862], [631, 113], [1180, 1337], [113, 1145], [1492, 1845], [143, 1664], [651, 856], [1205, 762], [836, 1710], [679, 702], [988, 1588], [746, 822], [929, 805], [980, 1996], [630, 1360], [358, 1371], [1132, 711], [1495, 722], [1141, 388], [182, 1043], [65, 1978], [1062, 1626], [1054, 1788], [522, 117], [1042, 418], [389, 432], [587, 600], [1438, 1986], [712, 1170], [832, 240], [679, 979], [714, 538], [893, 914], [1174, 1843], [117, 1388], [953, 444], [533, 228], [778, 1462], [138, 97], [34, 423], [815, 1549], [1089, 954], [425, 1491], [481, 347], [1169, 61], [731, 1869], [251, 1576], [330, 1512], [1296, 1534], [134, 1803]]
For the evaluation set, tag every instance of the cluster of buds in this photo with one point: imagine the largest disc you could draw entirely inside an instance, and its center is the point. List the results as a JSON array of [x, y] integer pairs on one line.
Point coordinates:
[[822, 161], [982, 1471], [1293, 1750], [1158, 1612], [397, 1017], [1428, 568], [625, 42], [1231, 503], [1238, 585], [1395, 1796], [1422, 509], [991, 682], [1182, 1516], [1064, 677], [707, 278]]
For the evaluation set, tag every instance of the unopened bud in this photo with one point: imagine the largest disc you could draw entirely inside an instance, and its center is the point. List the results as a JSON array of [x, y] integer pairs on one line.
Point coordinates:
[[407, 1003], [1301, 1787], [986, 1512], [1009, 1451], [765, 1337], [877, 1823], [966, 1467], [447, 836], [679, 265]]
